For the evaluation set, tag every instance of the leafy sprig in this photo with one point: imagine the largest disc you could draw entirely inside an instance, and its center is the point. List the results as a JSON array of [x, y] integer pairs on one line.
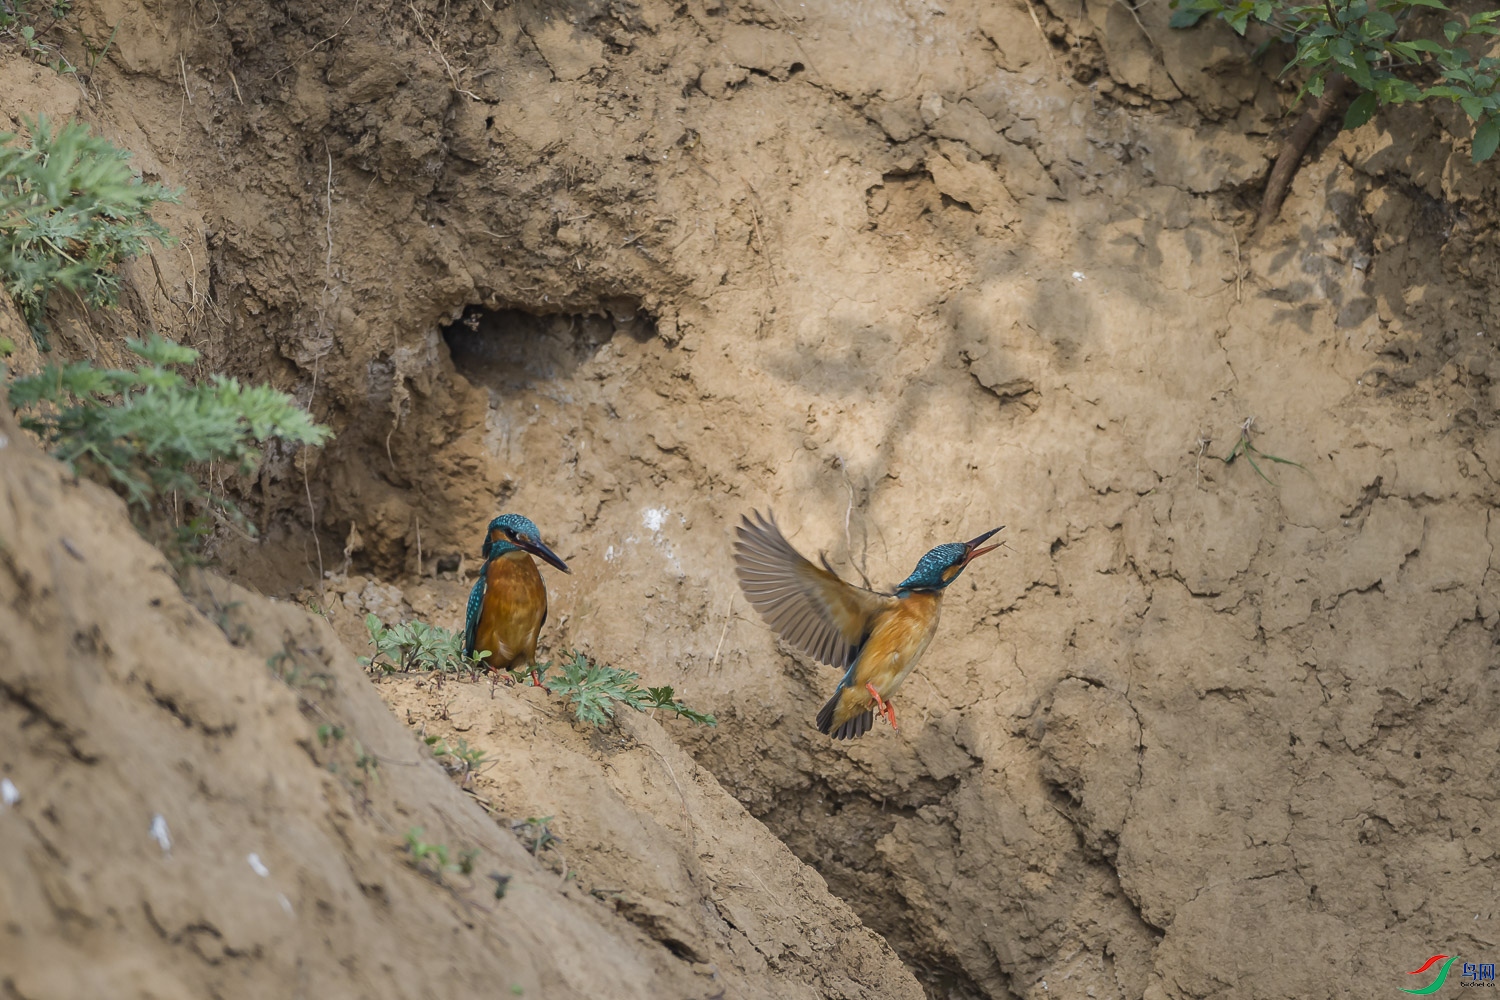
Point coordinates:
[[149, 431], [71, 212], [595, 688], [1374, 44], [416, 645]]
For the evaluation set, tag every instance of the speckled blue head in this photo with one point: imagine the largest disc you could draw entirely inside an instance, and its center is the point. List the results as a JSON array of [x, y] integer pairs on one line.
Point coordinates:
[[944, 564], [512, 532]]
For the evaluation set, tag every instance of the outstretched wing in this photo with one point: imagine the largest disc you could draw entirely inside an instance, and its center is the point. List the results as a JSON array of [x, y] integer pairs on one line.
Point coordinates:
[[807, 605], [471, 617]]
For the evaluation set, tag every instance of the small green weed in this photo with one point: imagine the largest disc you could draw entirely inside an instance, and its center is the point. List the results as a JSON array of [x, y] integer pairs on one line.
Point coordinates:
[[536, 834], [415, 645], [434, 859], [13, 12], [595, 688], [288, 667], [20, 19], [71, 212], [1245, 447], [150, 433], [462, 760], [1377, 45]]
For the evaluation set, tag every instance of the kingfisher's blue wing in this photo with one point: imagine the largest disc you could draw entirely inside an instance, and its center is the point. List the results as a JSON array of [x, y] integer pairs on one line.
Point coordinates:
[[471, 617]]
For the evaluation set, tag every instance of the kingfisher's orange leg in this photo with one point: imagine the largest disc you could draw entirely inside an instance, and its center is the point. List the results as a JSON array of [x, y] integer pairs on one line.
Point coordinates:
[[884, 707]]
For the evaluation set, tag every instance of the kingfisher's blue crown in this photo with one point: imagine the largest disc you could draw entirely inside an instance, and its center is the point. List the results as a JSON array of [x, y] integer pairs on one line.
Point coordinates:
[[522, 526], [929, 572]]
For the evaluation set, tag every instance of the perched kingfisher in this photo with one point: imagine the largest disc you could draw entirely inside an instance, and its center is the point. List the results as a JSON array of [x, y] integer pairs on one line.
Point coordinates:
[[876, 639], [508, 604]]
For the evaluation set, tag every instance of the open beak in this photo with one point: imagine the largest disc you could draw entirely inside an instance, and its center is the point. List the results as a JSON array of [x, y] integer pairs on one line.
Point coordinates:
[[542, 552], [975, 551]]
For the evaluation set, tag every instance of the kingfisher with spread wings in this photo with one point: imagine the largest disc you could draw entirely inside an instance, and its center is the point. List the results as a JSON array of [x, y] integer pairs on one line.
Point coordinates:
[[876, 639]]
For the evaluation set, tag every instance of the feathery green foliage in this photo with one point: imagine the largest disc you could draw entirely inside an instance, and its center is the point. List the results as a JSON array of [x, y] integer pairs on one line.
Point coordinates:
[[594, 688], [415, 645], [150, 432], [1378, 45], [71, 211]]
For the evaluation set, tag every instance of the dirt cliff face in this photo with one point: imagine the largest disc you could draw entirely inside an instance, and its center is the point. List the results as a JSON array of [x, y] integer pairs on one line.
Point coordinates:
[[902, 272], [211, 800]]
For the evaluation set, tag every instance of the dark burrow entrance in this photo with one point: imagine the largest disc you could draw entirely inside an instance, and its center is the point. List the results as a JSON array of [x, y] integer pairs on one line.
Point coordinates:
[[513, 349]]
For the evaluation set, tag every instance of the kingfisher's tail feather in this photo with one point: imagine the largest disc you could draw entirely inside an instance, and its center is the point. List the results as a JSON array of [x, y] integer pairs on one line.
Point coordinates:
[[857, 726]]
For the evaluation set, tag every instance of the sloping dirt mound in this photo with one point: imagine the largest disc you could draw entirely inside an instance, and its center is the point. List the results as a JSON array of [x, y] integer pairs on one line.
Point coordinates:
[[649, 832], [216, 803]]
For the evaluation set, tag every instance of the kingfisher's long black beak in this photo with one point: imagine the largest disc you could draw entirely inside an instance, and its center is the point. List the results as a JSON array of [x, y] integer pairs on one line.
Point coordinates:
[[975, 551], [538, 549]]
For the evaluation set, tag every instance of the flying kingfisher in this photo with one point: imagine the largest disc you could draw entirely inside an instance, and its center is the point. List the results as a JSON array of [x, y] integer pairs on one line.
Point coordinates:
[[876, 639], [508, 604]]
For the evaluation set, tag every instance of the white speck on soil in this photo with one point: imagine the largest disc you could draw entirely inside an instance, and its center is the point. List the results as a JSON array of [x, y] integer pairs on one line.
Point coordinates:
[[159, 833]]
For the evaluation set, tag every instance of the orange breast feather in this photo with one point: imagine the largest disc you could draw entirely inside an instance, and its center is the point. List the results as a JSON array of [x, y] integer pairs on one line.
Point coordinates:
[[514, 609], [896, 643]]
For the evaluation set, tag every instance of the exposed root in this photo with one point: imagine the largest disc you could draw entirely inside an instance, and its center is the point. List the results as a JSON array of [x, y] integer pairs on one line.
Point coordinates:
[[1295, 147]]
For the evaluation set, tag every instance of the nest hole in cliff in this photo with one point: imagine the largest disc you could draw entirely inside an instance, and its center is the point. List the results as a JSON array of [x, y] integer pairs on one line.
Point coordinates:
[[512, 348]]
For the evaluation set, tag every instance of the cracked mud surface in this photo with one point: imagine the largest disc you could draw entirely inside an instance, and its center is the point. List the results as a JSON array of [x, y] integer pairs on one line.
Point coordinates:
[[902, 274]]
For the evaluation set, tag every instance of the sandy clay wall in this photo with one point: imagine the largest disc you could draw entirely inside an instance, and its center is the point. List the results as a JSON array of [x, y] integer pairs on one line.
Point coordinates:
[[902, 272]]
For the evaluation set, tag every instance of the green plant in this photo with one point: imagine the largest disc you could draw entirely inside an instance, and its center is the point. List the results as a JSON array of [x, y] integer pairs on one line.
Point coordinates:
[[149, 432], [535, 833], [462, 760], [19, 20], [71, 211], [434, 858], [594, 688], [13, 12], [1376, 44], [1244, 446], [502, 883], [415, 645]]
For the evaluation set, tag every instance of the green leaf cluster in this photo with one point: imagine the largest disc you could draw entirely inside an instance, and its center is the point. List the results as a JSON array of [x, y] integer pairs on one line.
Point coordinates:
[[434, 858], [14, 12], [595, 689], [464, 757], [1375, 43], [415, 645], [71, 211], [148, 430]]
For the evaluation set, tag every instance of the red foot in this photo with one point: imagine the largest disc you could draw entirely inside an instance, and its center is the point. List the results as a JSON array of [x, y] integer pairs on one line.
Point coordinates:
[[884, 707], [535, 681]]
